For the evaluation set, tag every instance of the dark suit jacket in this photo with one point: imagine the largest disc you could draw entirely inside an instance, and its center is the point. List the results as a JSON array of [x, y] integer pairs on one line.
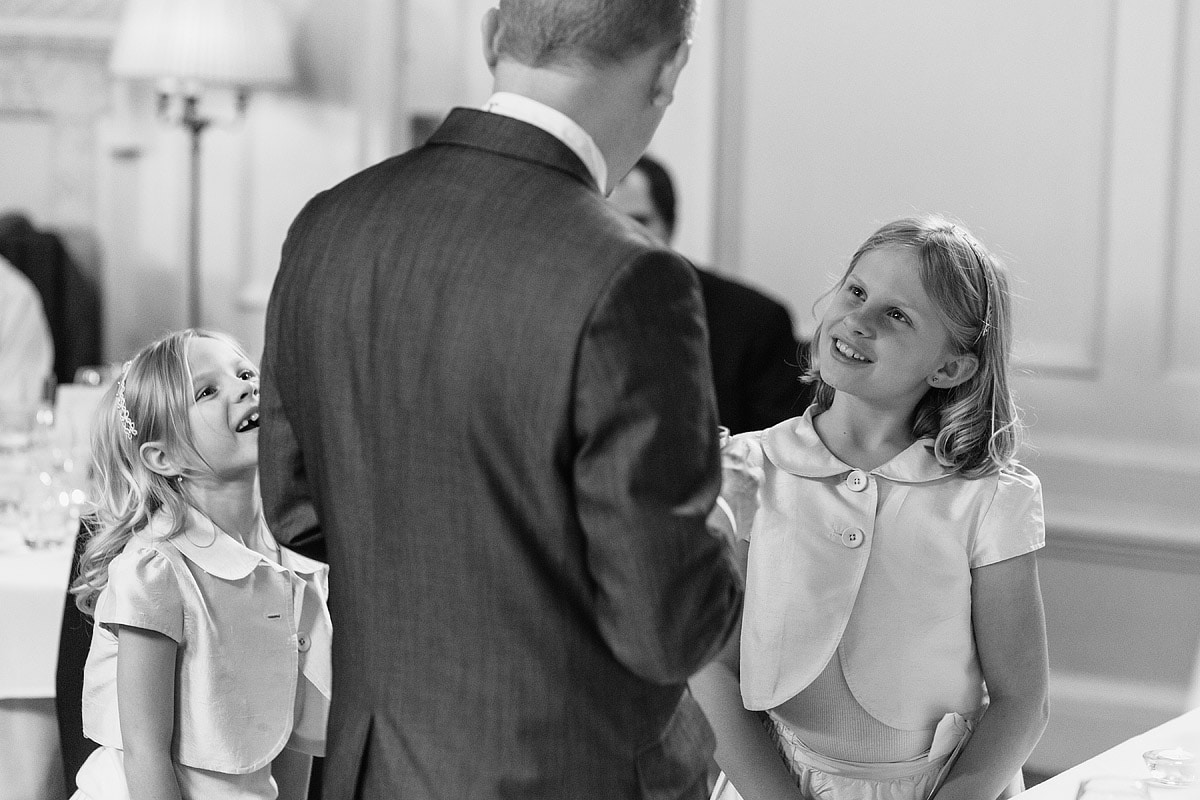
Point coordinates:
[[487, 391], [756, 359], [69, 295]]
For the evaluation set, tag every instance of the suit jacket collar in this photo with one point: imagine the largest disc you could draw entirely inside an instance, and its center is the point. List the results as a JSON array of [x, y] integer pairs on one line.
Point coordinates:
[[512, 138]]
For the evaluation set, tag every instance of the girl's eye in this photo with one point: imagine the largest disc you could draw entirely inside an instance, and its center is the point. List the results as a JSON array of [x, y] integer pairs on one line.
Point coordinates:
[[248, 375], [205, 392], [898, 315], [857, 291]]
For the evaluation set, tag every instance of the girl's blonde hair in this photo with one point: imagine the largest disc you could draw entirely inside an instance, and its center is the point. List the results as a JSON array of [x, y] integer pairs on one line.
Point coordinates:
[[976, 425], [148, 403]]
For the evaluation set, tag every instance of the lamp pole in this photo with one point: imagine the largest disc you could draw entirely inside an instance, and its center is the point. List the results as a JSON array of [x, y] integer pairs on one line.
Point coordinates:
[[195, 124], [189, 46]]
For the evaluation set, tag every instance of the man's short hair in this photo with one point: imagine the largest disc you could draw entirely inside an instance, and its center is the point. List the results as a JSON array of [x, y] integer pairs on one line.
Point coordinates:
[[662, 190], [598, 32]]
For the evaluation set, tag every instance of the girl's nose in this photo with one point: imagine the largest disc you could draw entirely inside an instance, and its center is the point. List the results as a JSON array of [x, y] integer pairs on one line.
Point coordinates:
[[248, 388], [859, 321]]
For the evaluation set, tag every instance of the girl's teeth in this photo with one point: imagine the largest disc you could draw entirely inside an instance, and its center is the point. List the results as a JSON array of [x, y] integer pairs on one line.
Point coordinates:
[[846, 351]]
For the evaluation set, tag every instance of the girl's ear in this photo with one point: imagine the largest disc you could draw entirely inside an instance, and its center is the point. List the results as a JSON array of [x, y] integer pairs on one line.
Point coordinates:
[[958, 369], [155, 459]]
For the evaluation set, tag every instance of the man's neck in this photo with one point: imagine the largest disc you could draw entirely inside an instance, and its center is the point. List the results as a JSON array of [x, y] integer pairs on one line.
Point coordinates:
[[598, 100], [557, 124]]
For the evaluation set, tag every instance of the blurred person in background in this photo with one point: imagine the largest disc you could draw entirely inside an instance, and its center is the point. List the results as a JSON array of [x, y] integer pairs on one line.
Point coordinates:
[[26, 349], [756, 360]]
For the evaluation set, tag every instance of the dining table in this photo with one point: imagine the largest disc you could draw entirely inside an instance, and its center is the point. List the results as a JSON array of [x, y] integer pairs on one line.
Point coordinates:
[[43, 484], [1178, 736], [32, 592], [32, 588]]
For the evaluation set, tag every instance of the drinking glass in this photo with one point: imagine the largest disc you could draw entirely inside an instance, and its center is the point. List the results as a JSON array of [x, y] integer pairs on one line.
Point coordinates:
[[51, 517], [1171, 767], [1112, 787]]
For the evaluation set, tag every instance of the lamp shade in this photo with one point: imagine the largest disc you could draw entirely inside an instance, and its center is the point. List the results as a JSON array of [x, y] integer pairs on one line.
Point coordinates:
[[216, 42]]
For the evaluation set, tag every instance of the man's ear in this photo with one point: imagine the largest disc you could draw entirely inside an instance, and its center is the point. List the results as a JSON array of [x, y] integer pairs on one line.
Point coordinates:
[[668, 74], [956, 370], [155, 459], [490, 29]]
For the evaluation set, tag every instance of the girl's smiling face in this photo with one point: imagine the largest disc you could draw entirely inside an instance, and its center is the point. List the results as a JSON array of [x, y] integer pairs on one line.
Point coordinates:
[[224, 411], [882, 338]]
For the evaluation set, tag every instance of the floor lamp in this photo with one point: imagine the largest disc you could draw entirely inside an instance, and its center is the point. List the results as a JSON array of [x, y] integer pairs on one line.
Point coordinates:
[[188, 47]]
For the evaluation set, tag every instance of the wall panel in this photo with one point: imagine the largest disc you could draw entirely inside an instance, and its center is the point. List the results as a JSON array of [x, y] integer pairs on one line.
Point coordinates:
[[864, 111], [1181, 333]]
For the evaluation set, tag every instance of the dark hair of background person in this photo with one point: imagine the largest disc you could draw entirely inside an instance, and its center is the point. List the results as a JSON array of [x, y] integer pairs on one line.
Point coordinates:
[[662, 189], [757, 361]]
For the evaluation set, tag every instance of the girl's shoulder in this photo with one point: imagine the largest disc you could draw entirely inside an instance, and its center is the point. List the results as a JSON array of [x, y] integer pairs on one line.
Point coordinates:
[[1018, 475], [1016, 487], [143, 553], [1014, 482], [143, 587], [149, 545], [1011, 519]]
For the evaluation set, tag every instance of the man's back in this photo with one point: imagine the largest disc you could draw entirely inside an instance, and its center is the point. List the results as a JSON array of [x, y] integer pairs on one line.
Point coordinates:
[[469, 358]]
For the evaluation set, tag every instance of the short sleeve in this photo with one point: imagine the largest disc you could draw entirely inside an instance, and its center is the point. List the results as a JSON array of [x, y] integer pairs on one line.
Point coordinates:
[[142, 592], [1014, 523], [741, 479]]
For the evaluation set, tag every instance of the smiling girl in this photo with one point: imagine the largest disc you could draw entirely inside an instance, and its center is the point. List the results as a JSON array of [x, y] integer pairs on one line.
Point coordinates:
[[208, 675], [893, 641]]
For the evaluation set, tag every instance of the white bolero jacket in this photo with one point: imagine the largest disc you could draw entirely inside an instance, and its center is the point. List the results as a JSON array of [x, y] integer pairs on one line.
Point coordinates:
[[875, 563]]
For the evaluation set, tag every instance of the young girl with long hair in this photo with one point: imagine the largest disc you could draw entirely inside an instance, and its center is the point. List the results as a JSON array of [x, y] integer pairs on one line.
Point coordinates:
[[209, 672], [893, 641]]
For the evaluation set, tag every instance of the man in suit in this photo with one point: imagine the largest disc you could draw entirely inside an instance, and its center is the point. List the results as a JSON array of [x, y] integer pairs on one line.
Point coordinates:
[[486, 392], [757, 362]]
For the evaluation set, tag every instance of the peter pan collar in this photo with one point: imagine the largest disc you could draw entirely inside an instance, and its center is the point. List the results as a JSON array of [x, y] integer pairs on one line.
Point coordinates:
[[209, 547], [794, 446]]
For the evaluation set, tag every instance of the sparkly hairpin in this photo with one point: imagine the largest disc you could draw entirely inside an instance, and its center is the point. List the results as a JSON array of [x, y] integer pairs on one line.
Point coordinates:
[[987, 309], [122, 409]]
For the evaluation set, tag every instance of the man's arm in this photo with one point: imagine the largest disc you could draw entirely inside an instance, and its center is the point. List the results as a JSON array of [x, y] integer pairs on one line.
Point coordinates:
[[286, 495], [647, 473]]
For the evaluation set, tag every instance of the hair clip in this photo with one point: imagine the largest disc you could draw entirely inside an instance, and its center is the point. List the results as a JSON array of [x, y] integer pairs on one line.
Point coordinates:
[[122, 409], [987, 308]]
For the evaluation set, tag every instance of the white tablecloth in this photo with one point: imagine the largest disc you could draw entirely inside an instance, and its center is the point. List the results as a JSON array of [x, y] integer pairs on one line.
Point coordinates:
[[33, 584], [33, 588], [1126, 759]]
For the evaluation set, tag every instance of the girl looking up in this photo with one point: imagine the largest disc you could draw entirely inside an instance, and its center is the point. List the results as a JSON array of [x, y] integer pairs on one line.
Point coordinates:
[[893, 641], [209, 673]]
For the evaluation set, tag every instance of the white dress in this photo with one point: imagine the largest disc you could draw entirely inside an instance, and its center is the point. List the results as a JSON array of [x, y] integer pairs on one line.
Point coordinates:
[[195, 592]]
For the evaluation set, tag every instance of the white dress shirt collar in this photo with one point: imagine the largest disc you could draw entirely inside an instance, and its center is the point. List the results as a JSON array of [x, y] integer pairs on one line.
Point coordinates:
[[558, 125]]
